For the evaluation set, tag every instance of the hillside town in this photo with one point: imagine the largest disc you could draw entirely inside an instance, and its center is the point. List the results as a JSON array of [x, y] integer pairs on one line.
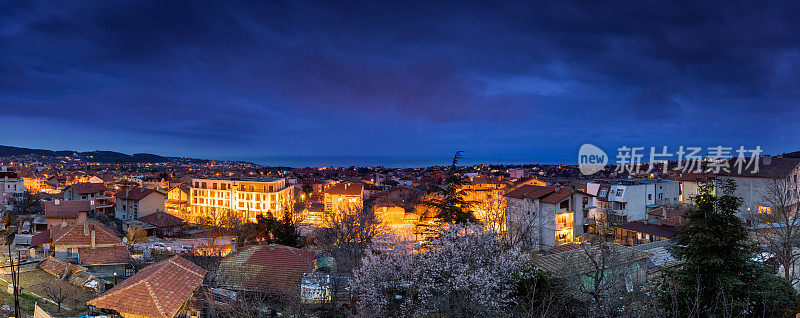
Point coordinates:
[[401, 159], [197, 241]]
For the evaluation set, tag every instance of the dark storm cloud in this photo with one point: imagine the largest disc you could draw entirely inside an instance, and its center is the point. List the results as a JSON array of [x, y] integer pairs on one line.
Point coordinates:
[[520, 73]]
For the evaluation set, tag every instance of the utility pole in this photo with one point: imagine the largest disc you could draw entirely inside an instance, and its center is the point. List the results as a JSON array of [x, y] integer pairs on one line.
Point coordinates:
[[15, 281]]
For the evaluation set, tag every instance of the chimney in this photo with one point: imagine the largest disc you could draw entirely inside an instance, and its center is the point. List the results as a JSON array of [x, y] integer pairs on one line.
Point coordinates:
[[271, 247], [767, 160], [85, 229], [57, 202], [93, 245]]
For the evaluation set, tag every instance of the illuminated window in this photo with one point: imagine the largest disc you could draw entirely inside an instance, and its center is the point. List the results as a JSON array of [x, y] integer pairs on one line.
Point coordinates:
[[764, 210]]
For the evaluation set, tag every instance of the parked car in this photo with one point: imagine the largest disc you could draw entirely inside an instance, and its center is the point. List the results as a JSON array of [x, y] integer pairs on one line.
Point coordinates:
[[26, 227], [187, 249], [158, 246]]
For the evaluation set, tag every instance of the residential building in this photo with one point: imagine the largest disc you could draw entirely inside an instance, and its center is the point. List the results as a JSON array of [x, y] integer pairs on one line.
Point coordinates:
[[35, 183], [622, 201], [161, 290], [58, 213], [754, 187], [106, 261], [623, 269], [690, 186], [399, 223], [639, 232], [343, 196], [96, 193], [488, 202], [64, 240], [270, 269], [177, 202], [162, 223], [548, 215], [134, 202], [10, 186], [246, 198], [516, 173]]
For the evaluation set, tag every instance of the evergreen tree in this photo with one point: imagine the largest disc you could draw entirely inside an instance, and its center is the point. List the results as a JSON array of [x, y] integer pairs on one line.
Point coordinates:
[[266, 226], [285, 231], [717, 276], [449, 202]]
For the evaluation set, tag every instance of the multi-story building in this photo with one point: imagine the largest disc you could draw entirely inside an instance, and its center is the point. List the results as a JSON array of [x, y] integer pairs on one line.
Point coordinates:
[[10, 185], [95, 193], [133, 203], [177, 202], [622, 201], [488, 202], [343, 196], [35, 183], [758, 188], [246, 198], [546, 216]]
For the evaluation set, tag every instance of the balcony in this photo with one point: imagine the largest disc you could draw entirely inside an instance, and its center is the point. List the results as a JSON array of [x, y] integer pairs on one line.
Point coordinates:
[[564, 221]]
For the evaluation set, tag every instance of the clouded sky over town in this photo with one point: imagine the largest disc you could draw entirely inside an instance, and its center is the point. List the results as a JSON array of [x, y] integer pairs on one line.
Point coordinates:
[[236, 80]]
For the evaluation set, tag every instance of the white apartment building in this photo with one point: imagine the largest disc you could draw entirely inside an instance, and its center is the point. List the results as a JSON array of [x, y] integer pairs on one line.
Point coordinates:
[[546, 216], [247, 198], [622, 201], [10, 185]]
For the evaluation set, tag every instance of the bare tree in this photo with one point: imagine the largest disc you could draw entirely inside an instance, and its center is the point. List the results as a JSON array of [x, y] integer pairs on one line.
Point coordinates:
[[241, 304], [347, 232], [218, 221], [136, 234], [776, 227], [526, 222], [490, 207], [58, 291], [601, 279]]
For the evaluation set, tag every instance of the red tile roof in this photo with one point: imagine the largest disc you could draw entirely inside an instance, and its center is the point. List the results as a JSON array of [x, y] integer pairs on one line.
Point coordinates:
[[65, 209], [104, 255], [346, 188], [161, 219], [158, 290], [558, 196], [40, 238], [274, 269], [547, 194], [530, 192], [58, 268], [134, 193], [646, 228], [87, 188], [80, 234], [564, 248]]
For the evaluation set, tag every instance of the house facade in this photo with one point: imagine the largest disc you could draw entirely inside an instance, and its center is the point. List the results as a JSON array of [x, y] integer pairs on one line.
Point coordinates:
[[134, 202], [548, 215], [622, 201], [343, 196], [96, 193]]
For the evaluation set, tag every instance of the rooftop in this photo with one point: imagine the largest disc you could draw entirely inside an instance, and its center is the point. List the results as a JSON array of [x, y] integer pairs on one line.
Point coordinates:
[[60, 209], [257, 179], [158, 290], [104, 255], [268, 268]]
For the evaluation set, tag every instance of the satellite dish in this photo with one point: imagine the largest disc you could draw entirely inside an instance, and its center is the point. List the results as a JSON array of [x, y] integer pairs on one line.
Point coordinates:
[[125, 240]]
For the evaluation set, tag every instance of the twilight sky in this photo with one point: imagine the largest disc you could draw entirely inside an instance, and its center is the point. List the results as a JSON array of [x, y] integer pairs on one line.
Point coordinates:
[[522, 80]]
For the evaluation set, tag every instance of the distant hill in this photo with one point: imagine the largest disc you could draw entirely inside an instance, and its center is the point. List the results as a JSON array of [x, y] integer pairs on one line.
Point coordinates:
[[90, 156], [795, 154]]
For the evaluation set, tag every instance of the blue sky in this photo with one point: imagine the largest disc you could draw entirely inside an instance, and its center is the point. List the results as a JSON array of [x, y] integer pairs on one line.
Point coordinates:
[[243, 80]]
